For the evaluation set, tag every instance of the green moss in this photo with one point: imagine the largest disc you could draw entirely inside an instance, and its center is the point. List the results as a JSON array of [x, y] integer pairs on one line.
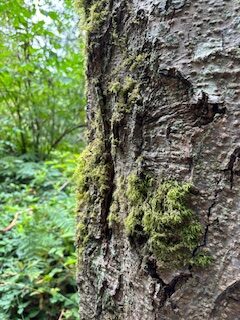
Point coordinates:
[[137, 191], [92, 170], [127, 90], [122, 88], [114, 87], [82, 237], [127, 94], [118, 202], [95, 14], [202, 259], [80, 4], [92, 183], [129, 62], [160, 212], [113, 218], [137, 61]]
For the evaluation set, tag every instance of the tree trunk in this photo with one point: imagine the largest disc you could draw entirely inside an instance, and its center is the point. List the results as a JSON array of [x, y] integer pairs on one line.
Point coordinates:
[[163, 160]]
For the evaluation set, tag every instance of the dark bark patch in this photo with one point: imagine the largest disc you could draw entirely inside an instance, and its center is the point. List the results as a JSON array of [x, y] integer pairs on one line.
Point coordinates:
[[204, 111], [231, 164], [227, 303]]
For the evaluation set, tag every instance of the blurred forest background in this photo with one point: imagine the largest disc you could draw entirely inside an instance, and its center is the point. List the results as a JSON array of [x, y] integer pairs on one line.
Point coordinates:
[[42, 110]]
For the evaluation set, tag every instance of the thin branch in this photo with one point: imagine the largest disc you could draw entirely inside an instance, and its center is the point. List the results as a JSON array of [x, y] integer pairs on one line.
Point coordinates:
[[61, 315], [65, 132], [64, 185], [11, 225]]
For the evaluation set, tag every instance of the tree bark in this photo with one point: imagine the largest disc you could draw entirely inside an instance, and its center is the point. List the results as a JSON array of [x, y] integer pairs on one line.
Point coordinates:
[[163, 100]]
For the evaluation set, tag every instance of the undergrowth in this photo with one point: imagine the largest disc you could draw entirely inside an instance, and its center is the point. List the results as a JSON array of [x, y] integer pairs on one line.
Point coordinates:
[[37, 255]]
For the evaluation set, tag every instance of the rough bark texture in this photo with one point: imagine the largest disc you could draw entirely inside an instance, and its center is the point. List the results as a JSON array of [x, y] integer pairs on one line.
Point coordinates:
[[164, 81]]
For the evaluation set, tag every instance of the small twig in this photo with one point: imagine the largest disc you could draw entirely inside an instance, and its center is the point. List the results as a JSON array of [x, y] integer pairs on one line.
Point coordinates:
[[63, 134], [11, 225], [64, 185], [61, 315]]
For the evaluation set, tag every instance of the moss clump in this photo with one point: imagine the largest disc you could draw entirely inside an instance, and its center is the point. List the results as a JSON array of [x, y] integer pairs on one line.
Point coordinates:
[[92, 183], [162, 215], [137, 193], [138, 61], [126, 90], [92, 170], [127, 94], [118, 203], [202, 259], [80, 4], [113, 218], [130, 62], [82, 237], [95, 13]]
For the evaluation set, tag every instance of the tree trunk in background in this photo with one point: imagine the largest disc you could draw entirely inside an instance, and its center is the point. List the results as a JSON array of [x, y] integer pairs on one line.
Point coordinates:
[[163, 99]]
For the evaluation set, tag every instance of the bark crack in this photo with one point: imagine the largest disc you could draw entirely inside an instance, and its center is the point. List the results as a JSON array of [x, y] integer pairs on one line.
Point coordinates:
[[106, 203], [230, 167], [99, 306], [170, 3], [166, 290], [209, 213]]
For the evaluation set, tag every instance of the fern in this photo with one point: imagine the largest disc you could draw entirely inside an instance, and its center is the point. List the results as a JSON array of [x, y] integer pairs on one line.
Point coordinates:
[[37, 257]]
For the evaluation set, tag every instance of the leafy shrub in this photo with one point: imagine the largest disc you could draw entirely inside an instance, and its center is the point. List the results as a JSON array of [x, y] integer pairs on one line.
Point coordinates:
[[37, 256], [42, 77]]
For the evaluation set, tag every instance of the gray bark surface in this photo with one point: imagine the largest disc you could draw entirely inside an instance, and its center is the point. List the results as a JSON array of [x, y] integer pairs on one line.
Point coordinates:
[[184, 124]]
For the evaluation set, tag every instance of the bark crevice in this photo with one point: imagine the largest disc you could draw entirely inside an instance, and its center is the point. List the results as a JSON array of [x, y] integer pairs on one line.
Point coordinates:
[[166, 289], [230, 167], [209, 213]]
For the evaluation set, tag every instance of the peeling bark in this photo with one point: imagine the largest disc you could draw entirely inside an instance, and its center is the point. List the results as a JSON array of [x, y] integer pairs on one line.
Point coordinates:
[[164, 77]]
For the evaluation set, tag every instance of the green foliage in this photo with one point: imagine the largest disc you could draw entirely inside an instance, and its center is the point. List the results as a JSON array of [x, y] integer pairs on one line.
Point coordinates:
[[37, 256], [42, 67], [161, 213]]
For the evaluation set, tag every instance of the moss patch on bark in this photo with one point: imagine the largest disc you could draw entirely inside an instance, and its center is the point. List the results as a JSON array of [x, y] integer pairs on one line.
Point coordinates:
[[95, 13], [127, 93], [92, 183], [160, 212]]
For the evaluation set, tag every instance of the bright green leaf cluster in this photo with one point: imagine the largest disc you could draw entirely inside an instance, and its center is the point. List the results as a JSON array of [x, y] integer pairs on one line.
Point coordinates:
[[42, 77]]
